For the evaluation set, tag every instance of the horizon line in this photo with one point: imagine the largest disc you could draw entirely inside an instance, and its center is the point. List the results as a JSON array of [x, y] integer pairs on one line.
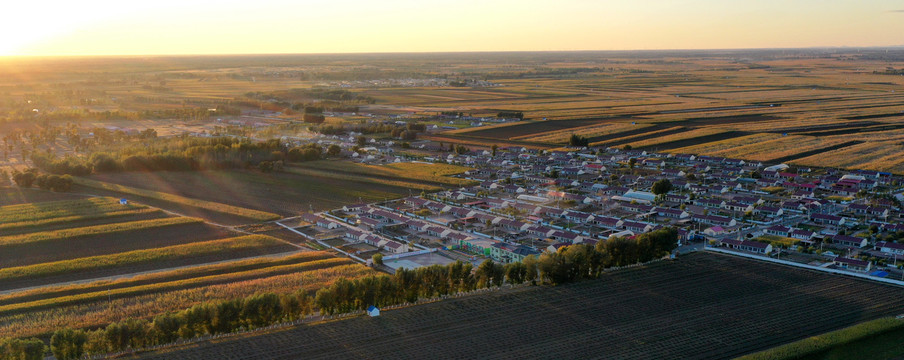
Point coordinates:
[[57, 56]]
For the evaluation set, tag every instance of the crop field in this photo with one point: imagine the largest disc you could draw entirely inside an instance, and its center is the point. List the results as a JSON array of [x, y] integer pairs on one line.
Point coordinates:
[[526, 129], [56, 209], [56, 245], [562, 136], [702, 306], [286, 194], [88, 262], [690, 134], [229, 210], [868, 155], [409, 174], [724, 145], [16, 195], [708, 95], [780, 147], [89, 310], [139, 260]]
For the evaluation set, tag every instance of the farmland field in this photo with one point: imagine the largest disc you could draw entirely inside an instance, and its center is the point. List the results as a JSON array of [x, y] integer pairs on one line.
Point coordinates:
[[16, 195], [139, 260], [285, 194], [409, 174], [56, 245], [703, 306], [209, 206], [134, 300]]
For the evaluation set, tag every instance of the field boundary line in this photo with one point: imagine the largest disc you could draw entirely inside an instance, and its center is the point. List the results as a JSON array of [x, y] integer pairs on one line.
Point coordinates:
[[352, 256], [806, 266]]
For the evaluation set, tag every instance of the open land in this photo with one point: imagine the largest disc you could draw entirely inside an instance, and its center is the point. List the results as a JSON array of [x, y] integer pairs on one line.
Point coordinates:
[[702, 306]]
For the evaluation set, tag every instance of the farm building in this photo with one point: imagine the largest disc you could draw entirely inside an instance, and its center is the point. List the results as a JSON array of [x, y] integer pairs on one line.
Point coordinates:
[[850, 241], [852, 264], [750, 246], [890, 248]]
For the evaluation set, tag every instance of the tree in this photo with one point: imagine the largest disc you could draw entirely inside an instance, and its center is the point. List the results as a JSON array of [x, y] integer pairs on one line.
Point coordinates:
[[530, 269], [485, 274], [334, 150], [361, 141], [632, 162], [494, 148], [627, 147], [22, 349], [326, 301], [24, 179], [378, 259], [662, 187], [68, 344], [578, 141]]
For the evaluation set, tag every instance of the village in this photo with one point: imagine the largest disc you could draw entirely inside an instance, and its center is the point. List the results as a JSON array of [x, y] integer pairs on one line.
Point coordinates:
[[529, 201]]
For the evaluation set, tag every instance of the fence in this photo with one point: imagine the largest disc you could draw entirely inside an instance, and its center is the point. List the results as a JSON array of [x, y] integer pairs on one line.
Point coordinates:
[[806, 266]]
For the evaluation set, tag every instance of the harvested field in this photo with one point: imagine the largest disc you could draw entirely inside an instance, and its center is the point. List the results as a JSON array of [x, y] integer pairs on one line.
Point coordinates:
[[653, 133], [222, 208], [227, 267], [285, 194], [67, 222], [17, 195], [702, 139], [164, 286], [779, 148], [717, 146], [627, 133], [702, 306], [71, 209], [429, 174], [42, 323], [139, 260], [721, 120], [690, 134], [812, 152], [532, 127], [562, 136], [855, 155], [57, 245]]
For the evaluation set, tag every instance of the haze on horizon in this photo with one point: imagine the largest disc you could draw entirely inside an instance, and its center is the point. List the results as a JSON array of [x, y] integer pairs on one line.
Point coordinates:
[[104, 27]]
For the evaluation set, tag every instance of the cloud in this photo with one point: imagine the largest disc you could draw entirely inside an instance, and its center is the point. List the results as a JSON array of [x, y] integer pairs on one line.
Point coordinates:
[[896, 11]]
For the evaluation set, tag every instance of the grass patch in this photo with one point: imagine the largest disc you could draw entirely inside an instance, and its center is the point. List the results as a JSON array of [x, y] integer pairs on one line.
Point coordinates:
[[202, 204], [777, 240], [855, 341]]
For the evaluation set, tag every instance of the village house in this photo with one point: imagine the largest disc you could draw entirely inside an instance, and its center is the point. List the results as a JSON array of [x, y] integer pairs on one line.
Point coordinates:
[[749, 246], [852, 264], [849, 241]]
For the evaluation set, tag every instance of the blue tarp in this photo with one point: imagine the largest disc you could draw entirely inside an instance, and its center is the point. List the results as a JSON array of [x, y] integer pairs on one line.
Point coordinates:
[[879, 273]]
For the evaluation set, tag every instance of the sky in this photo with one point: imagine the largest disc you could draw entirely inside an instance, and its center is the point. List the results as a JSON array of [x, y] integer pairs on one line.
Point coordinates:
[[125, 27]]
